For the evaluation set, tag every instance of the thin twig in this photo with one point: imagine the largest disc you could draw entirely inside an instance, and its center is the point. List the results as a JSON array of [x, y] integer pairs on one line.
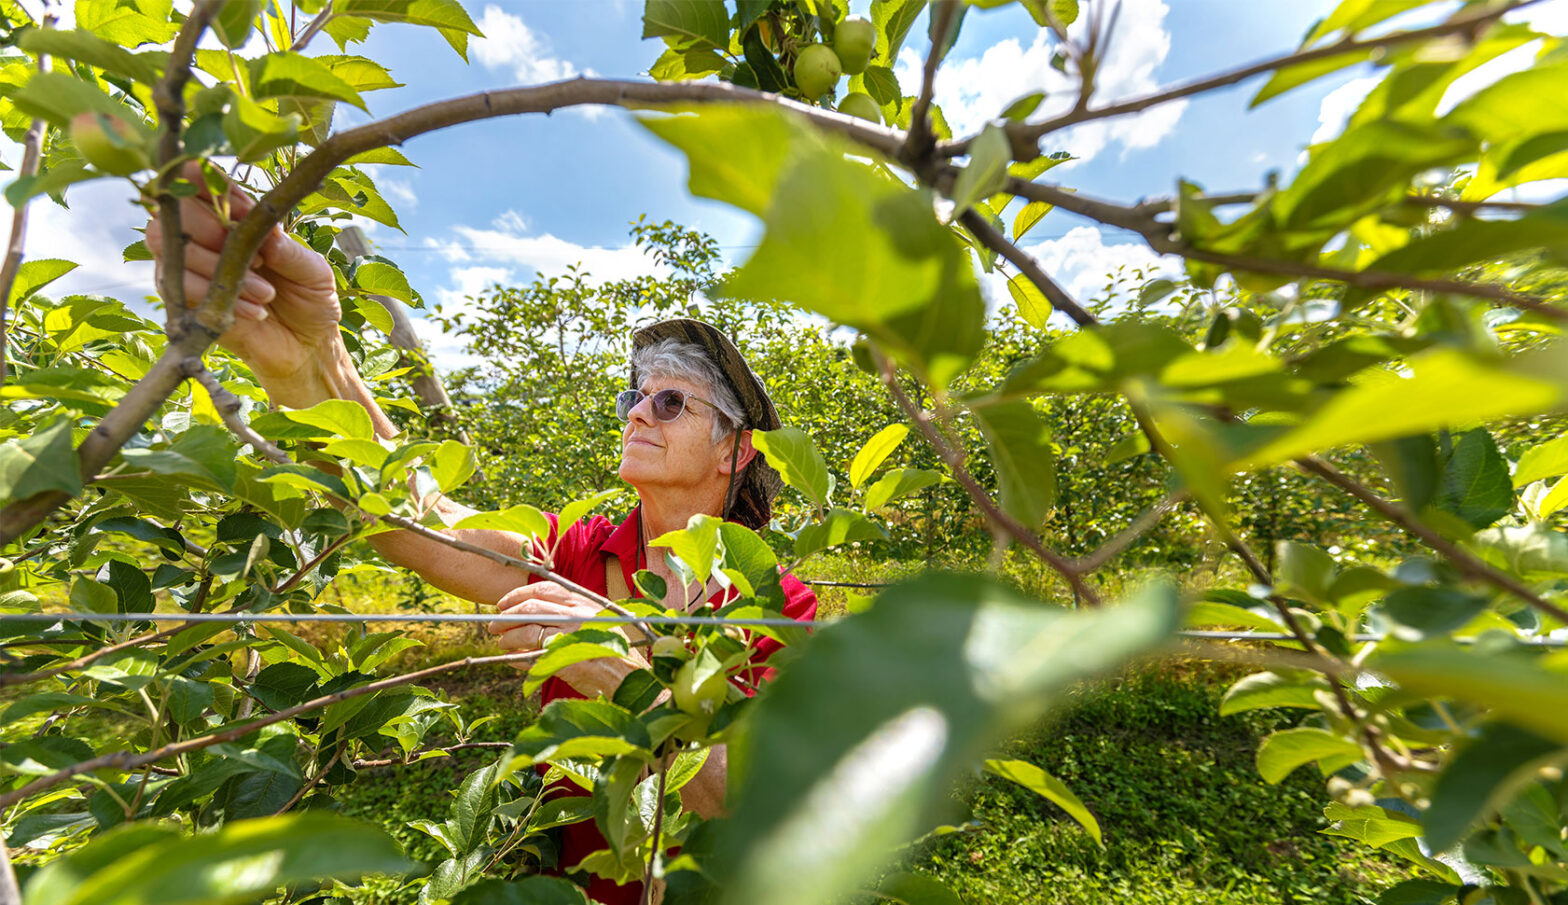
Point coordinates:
[[32, 153], [658, 828], [918, 144], [314, 780], [169, 99], [1467, 22], [1139, 526], [414, 755], [312, 28], [953, 457], [1467, 563], [1160, 237], [125, 761]]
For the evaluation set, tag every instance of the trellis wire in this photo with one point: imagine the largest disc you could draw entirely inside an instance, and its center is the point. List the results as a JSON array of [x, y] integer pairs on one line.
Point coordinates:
[[240, 618]]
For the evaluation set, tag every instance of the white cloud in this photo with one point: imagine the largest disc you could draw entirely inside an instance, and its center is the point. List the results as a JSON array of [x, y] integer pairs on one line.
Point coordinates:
[[399, 190], [972, 90], [1337, 106], [505, 253], [1080, 260], [510, 44]]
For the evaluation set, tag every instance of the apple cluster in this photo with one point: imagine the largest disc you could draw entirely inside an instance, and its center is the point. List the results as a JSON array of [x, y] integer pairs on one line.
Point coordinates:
[[819, 66]]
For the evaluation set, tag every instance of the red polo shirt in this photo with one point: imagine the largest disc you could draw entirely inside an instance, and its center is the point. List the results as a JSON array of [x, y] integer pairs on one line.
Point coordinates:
[[580, 556]]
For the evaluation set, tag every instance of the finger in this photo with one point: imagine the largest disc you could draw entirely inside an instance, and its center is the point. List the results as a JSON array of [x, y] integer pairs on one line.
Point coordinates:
[[295, 262], [255, 294], [205, 262]]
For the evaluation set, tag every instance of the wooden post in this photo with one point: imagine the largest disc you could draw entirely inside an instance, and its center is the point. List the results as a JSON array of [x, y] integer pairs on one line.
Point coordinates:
[[427, 386]]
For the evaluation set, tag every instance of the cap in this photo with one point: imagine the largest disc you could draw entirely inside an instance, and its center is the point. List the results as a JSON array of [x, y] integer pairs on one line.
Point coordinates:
[[753, 502]]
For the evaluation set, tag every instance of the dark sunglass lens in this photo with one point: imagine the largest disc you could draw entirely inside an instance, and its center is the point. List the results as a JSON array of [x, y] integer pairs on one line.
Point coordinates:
[[668, 404], [625, 402]]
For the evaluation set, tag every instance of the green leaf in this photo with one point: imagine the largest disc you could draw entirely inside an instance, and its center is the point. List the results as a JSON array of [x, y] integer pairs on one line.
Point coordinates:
[[1443, 388], [1363, 169], [57, 97], [802, 467], [573, 512], [1305, 570], [254, 131], [77, 44], [1291, 77], [203, 451], [943, 667], [723, 166], [893, 18], [447, 15], [1028, 216], [527, 891], [986, 173], [1294, 688], [1216, 612], [235, 21], [35, 275], [383, 279], [1475, 483], [452, 465], [882, 85], [908, 888], [567, 729], [522, 519], [1518, 688], [242, 859], [1048, 787], [842, 238], [899, 483], [126, 24], [325, 420], [838, 526], [1473, 241], [770, 75], [1354, 15], [1533, 551], [1019, 442], [1284, 751], [1033, 306], [1546, 460], [1516, 106], [43, 462], [1481, 778], [696, 544], [1421, 612], [875, 452], [701, 20]]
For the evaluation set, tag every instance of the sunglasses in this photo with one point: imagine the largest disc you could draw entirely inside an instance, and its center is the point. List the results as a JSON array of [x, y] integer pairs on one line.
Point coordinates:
[[667, 404]]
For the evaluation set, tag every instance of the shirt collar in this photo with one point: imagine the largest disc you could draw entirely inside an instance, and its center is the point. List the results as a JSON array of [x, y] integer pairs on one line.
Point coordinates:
[[622, 542]]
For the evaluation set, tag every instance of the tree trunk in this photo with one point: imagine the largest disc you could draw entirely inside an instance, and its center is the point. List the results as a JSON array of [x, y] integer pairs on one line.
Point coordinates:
[[427, 386]]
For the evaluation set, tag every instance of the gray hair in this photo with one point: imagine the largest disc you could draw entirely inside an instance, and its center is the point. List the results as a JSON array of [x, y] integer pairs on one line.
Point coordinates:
[[689, 361]]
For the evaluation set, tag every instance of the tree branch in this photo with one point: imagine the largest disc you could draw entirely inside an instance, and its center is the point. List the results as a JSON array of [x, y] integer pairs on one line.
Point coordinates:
[[125, 761], [1471, 22], [312, 29], [1467, 563], [1159, 236], [168, 98], [953, 457], [920, 140], [993, 239], [32, 154], [216, 312]]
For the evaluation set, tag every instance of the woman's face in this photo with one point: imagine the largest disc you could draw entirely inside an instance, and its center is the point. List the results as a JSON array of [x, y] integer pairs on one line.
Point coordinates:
[[679, 453]]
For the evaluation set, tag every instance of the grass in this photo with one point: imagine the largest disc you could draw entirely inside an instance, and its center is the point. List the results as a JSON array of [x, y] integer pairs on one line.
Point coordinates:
[[1185, 815]]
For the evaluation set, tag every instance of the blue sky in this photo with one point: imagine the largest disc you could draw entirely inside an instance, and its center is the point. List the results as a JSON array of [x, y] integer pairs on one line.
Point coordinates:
[[505, 199]]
